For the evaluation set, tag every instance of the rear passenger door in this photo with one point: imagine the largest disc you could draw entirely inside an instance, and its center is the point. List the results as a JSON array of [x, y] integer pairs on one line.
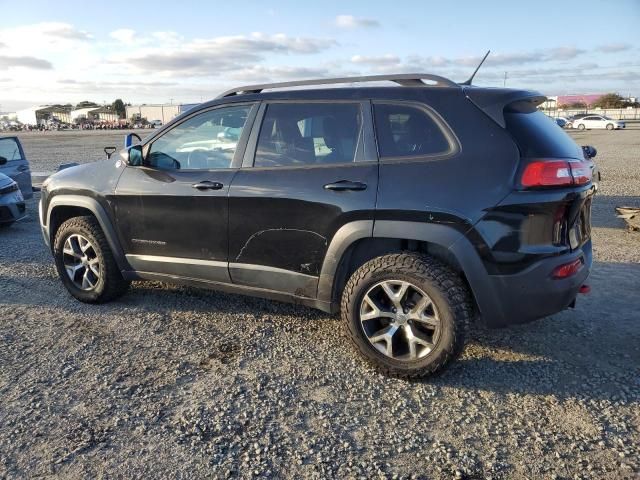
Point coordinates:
[[310, 167]]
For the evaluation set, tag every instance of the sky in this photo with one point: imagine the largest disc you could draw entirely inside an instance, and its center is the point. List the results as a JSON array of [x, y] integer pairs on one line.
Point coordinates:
[[187, 52]]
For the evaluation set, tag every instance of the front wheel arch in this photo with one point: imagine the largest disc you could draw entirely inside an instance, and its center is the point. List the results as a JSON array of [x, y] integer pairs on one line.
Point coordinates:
[[79, 205]]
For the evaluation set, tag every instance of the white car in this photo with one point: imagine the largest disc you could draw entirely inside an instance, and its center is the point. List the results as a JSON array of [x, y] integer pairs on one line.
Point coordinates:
[[597, 121]]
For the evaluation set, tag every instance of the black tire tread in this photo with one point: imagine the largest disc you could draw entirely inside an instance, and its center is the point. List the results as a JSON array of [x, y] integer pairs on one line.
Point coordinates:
[[114, 284], [423, 266]]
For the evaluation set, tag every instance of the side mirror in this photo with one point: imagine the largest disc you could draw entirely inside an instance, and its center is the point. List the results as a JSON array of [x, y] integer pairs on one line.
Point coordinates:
[[128, 140], [133, 156], [3, 161], [589, 151], [109, 151]]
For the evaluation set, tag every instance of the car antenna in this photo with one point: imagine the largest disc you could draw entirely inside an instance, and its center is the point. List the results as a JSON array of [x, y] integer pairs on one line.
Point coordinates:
[[468, 82]]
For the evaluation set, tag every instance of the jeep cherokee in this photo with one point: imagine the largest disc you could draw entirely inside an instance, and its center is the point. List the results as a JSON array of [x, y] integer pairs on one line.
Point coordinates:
[[411, 209]]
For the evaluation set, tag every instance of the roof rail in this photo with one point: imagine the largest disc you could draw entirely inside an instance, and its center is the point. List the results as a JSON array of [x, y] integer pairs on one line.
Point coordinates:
[[404, 79]]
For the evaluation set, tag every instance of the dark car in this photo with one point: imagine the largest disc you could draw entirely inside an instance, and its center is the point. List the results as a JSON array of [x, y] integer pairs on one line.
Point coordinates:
[[14, 164], [411, 209]]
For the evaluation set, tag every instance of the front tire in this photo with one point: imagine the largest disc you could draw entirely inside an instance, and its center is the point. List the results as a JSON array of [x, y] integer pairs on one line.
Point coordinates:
[[407, 314], [581, 126], [85, 262], [609, 126]]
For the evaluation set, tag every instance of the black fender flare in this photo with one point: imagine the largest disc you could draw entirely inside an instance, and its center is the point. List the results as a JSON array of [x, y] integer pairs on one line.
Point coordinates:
[[101, 215], [449, 237]]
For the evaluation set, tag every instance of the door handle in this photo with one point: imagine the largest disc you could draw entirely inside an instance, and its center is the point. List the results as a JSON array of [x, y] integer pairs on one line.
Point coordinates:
[[343, 185], [207, 185]]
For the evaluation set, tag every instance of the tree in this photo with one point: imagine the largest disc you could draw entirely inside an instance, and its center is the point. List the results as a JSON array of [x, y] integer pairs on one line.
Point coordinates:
[[573, 106], [119, 108], [86, 104], [610, 100]]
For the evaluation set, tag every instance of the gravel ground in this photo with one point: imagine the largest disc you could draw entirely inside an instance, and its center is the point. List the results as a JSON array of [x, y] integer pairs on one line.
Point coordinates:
[[173, 382]]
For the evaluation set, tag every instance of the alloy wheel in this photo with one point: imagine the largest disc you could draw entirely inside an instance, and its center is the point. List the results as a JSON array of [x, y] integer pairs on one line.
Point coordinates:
[[400, 320], [81, 262]]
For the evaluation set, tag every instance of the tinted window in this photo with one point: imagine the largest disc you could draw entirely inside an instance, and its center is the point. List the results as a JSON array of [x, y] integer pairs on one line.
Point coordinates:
[[308, 134], [538, 137], [206, 141], [9, 149], [406, 131]]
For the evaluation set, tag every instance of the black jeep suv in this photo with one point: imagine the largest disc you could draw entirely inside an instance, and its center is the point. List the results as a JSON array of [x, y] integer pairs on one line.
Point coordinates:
[[412, 209]]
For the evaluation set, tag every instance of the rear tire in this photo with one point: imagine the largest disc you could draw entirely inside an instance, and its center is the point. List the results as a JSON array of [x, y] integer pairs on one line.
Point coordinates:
[[85, 262], [407, 314]]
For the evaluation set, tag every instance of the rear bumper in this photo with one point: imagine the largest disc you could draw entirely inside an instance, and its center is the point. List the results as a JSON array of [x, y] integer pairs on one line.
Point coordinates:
[[533, 293]]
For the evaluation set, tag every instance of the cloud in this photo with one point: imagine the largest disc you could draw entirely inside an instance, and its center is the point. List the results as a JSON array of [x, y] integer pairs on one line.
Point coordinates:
[[349, 21], [261, 73], [123, 35], [25, 62], [564, 53], [614, 47], [66, 31], [387, 59], [3, 45], [219, 54]]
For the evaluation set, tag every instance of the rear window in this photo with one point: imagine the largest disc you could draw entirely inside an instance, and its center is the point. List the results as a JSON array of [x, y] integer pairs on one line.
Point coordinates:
[[538, 136]]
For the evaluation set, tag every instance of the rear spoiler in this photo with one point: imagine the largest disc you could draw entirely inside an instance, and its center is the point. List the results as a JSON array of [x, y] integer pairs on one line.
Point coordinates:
[[493, 101]]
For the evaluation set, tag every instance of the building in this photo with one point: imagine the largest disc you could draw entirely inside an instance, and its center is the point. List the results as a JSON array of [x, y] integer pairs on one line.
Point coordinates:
[[163, 112], [104, 114]]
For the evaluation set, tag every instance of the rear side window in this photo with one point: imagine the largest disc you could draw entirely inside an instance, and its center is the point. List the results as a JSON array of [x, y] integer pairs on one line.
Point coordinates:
[[298, 134], [407, 131], [537, 136], [9, 149]]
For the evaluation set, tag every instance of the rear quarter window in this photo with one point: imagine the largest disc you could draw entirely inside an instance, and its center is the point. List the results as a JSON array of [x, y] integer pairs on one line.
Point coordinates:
[[538, 136], [408, 131]]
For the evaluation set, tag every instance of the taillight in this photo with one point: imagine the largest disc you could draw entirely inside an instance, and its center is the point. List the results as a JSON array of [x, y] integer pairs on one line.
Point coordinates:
[[568, 269], [555, 173]]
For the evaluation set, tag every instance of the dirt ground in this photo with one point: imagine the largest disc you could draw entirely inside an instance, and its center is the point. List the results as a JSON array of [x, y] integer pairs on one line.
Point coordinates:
[[172, 382]]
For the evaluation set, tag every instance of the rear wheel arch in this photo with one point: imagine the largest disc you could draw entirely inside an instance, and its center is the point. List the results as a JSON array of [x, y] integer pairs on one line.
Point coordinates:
[[424, 238]]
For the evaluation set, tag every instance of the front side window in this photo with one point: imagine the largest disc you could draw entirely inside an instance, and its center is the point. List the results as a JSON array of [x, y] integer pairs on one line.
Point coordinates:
[[407, 131], [9, 149], [298, 134], [205, 142]]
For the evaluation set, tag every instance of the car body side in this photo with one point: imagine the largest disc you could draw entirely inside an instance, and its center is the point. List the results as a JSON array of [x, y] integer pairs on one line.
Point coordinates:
[[460, 206]]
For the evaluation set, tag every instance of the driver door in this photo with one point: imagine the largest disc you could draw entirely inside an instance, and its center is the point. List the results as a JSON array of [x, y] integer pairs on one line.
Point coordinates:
[[172, 212]]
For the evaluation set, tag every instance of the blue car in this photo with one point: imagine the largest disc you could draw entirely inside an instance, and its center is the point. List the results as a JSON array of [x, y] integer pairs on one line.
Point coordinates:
[[14, 164]]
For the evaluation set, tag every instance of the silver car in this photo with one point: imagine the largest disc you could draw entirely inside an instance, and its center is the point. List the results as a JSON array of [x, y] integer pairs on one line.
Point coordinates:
[[12, 206], [14, 164]]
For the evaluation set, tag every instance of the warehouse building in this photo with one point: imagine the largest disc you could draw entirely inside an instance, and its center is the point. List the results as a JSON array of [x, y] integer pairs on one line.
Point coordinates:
[[163, 112]]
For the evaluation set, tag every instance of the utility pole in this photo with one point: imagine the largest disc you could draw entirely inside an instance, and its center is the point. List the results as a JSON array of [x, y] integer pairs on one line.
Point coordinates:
[[504, 84]]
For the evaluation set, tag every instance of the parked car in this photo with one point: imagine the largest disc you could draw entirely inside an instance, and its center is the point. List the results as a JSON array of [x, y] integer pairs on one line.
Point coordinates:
[[12, 206], [155, 123], [384, 203], [14, 164], [597, 121], [561, 122]]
